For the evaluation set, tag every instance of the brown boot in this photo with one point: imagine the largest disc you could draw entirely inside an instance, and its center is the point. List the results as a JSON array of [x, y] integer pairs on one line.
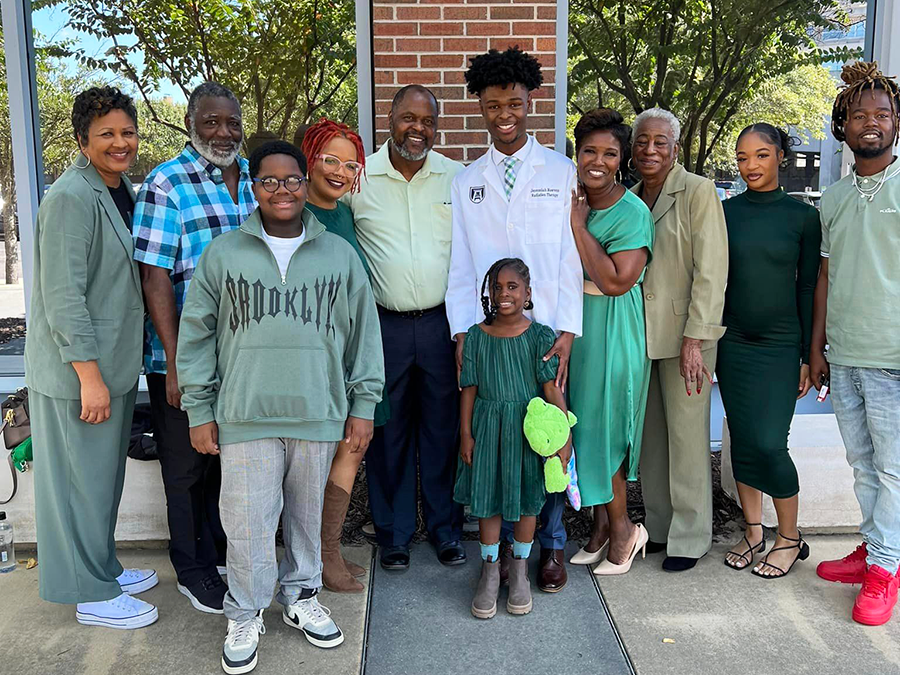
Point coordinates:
[[335, 575]]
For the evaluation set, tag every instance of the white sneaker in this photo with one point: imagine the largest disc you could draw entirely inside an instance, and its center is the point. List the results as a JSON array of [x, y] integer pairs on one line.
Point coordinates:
[[222, 570], [239, 652], [315, 622], [121, 612], [137, 581]]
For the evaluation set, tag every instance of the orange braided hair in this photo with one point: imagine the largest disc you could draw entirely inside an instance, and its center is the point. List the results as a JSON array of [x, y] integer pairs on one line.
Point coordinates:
[[321, 133]]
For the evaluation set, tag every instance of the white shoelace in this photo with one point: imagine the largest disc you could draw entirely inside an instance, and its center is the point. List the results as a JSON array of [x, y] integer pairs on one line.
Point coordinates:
[[131, 574], [126, 603], [244, 633], [315, 611]]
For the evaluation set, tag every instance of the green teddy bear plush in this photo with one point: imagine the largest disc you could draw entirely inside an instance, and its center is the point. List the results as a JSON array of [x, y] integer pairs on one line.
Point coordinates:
[[547, 430]]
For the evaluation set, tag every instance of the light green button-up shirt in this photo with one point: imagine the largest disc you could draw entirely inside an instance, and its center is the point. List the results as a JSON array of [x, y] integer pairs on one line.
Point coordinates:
[[861, 240], [404, 229]]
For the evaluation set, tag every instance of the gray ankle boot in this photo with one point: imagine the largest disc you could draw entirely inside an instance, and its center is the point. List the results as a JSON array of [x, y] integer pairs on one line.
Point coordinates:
[[484, 606], [519, 601]]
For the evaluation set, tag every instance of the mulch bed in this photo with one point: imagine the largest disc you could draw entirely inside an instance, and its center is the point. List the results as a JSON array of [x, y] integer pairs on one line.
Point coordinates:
[[727, 516], [11, 328]]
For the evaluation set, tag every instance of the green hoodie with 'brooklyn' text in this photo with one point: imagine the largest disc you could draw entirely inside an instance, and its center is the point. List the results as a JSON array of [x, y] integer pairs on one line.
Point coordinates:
[[271, 356]]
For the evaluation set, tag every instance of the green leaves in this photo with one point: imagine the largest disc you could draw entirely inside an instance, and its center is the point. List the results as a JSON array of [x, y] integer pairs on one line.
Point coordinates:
[[286, 60], [702, 59]]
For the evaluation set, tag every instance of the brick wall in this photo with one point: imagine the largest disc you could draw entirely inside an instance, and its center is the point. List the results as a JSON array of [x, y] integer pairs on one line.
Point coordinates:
[[429, 42]]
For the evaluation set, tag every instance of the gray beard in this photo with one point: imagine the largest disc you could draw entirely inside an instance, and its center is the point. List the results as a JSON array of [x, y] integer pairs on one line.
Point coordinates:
[[210, 154], [410, 156]]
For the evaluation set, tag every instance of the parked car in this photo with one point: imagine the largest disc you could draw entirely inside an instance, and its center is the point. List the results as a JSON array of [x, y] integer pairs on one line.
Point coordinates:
[[810, 197]]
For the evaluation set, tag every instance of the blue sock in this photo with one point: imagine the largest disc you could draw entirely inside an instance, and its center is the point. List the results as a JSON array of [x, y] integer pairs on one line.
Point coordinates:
[[521, 550], [490, 552]]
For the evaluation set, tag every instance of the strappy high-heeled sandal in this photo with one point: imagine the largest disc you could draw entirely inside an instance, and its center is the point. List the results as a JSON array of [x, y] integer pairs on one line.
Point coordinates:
[[751, 551], [799, 544]]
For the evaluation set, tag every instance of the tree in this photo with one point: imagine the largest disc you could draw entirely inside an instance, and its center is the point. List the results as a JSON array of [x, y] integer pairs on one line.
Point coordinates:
[[798, 101], [287, 61], [701, 59]]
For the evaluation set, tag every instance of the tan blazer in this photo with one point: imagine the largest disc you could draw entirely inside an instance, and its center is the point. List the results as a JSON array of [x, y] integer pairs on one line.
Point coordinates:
[[86, 302], [684, 288]]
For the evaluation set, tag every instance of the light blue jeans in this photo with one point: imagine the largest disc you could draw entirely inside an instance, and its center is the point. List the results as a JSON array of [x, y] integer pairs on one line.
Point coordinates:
[[262, 480], [867, 405]]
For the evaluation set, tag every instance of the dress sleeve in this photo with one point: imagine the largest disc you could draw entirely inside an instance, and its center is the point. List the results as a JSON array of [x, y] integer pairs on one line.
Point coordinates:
[[633, 231], [807, 275], [469, 375], [546, 370]]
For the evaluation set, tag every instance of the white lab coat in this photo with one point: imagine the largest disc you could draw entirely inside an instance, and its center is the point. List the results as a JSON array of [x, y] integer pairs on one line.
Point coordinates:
[[533, 225]]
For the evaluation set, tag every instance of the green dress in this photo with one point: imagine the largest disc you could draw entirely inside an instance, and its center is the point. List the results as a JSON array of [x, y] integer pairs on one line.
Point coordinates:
[[609, 372], [773, 264], [506, 476], [339, 221]]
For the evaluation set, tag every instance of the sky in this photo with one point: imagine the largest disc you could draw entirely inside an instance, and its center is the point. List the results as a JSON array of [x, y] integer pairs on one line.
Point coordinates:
[[52, 22]]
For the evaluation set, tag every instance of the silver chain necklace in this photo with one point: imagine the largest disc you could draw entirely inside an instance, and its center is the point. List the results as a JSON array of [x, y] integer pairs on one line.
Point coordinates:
[[869, 193]]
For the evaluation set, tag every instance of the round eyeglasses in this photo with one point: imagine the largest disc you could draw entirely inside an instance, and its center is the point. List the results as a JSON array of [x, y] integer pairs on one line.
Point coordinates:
[[333, 163], [291, 183]]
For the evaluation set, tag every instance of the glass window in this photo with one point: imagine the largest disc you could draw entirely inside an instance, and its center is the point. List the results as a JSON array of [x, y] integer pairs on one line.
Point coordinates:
[[801, 161]]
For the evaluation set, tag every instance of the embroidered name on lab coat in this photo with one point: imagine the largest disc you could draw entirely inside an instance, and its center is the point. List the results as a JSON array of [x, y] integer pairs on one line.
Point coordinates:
[[544, 193]]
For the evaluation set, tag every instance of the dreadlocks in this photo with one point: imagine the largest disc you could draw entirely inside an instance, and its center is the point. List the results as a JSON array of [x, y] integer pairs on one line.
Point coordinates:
[[320, 134], [490, 279], [857, 78]]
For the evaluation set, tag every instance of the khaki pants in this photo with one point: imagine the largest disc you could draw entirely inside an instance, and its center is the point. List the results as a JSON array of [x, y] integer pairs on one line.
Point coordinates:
[[676, 480]]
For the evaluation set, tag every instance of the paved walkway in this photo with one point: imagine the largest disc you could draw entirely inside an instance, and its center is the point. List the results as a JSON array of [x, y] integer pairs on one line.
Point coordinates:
[[720, 621]]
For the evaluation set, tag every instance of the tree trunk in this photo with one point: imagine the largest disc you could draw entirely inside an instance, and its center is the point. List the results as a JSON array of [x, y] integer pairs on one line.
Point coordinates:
[[11, 242]]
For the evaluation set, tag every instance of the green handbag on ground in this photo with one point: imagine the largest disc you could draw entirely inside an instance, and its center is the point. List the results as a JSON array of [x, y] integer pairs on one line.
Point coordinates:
[[16, 429]]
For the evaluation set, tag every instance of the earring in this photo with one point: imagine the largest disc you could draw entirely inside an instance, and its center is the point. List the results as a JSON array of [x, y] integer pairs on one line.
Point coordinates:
[[631, 165], [528, 304], [619, 176], [74, 159]]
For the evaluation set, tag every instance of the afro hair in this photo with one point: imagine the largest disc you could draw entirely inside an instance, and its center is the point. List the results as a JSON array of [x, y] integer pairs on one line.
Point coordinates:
[[502, 69]]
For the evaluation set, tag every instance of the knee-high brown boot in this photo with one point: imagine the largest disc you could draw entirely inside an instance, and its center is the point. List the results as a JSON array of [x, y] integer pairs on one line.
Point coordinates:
[[335, 574]]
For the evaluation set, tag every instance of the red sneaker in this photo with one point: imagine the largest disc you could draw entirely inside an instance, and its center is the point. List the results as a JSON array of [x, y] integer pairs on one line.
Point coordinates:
[[875, 602], [850, 569]]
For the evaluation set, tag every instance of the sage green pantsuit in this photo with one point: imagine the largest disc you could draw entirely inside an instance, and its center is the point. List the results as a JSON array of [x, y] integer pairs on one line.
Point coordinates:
[[86, 306], [79, 470]]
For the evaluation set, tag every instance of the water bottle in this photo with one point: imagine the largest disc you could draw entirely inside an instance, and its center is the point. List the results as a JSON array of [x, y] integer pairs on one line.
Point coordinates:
[[7, 545]]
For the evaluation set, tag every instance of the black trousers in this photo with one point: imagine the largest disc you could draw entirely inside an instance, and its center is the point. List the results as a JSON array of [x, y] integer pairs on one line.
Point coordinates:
[[420, 441], [196, 538]]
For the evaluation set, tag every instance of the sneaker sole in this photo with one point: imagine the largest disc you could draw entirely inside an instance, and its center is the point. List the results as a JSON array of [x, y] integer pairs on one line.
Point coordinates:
[[196, 603], [141, 586], [324, 644], [237, 670], [872, 620], [122, 624], [842, 580]]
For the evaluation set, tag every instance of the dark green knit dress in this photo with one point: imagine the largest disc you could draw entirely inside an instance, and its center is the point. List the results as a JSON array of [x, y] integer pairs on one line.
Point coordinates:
[[773, 263], [506, 476]]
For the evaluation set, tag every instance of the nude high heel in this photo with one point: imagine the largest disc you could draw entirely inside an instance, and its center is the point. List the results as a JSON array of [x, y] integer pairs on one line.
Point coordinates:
[[606, 568], [585, 557]]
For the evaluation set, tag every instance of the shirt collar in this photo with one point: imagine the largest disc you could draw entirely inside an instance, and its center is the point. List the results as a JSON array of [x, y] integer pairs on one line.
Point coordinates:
[[214, 172], [521, 154], [379, 164]]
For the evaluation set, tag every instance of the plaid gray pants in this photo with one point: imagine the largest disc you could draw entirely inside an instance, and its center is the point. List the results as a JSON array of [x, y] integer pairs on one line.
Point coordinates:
[[259, 479]]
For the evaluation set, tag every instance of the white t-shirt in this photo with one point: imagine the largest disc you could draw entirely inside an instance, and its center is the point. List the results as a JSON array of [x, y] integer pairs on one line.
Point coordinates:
[[283, 248]]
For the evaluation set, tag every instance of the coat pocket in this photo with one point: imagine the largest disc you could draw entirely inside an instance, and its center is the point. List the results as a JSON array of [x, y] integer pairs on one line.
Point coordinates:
[[276, 382], [681, 307], [543, 223]]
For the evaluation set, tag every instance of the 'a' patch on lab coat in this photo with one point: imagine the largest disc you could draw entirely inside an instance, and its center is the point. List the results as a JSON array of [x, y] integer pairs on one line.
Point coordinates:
[[476, 194]]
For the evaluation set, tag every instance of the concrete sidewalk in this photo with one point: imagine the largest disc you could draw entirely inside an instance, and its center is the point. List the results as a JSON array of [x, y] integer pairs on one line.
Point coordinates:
[[730, 622], [722, 622], [40, 638]]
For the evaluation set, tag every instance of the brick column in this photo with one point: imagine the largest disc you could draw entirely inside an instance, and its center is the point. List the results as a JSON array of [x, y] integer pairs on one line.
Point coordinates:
[[429, 42]]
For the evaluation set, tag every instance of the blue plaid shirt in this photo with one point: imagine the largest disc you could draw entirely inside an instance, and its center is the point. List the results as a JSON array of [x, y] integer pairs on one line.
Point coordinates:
[[181, 207]]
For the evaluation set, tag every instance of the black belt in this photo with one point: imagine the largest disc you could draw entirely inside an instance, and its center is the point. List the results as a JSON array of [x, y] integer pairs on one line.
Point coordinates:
[[413, 313]]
